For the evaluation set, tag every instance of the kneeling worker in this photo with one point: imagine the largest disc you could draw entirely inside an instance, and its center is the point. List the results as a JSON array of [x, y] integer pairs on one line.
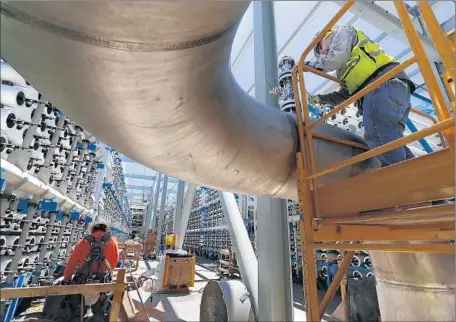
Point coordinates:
[[95, 256], [92, 260], [358, 61], [98, 251]]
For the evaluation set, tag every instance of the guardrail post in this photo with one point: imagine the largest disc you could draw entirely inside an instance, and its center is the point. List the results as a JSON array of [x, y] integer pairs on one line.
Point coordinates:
[[117, 296]]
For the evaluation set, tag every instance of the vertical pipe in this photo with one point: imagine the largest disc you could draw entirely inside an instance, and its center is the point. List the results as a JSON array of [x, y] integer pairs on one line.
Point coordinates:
[[245, 256], [186, 209], [179, 204], [80, 162], [161, 218], [54, 141], [55, 254], [86, 178], [5, 203], [69, 244], [36, 120], [31, 211], [70, 155], [43, 250]]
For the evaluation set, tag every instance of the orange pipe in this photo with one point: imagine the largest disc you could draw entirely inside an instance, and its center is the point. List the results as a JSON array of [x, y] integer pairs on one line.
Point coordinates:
[[385, 148]]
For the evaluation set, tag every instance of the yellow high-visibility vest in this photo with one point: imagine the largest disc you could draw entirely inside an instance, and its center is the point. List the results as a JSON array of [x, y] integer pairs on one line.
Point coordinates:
[[366, 57]]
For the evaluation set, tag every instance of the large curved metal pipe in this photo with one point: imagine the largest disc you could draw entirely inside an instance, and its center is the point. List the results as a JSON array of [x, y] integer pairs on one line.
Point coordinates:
[[152, 80]]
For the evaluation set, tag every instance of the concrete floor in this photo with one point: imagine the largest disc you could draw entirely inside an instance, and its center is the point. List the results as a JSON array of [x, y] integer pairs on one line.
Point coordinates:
[[185, 307]]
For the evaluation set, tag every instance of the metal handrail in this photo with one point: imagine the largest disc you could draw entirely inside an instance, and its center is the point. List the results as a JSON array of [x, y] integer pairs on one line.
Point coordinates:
[[307, 174], [396, 70], [306, 133], [435, 92], [434, 121], [385, 148], [440, 41]]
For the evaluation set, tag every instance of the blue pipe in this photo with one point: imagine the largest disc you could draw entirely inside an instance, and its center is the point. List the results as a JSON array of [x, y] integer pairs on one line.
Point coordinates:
[[423, 142]]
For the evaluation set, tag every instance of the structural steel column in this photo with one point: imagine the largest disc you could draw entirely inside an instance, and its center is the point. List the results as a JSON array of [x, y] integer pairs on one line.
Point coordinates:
[[179, 203], [244, 206], [155, 204], [150, 206], [265, 51], [161, 218], [272, 242], [187, 208], [245, 256]]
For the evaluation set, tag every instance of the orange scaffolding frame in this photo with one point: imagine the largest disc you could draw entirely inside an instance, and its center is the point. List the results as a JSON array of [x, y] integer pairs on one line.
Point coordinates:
[[416, 181]]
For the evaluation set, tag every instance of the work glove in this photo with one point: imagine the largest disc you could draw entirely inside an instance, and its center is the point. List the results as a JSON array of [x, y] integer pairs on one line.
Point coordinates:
[[314, 99]]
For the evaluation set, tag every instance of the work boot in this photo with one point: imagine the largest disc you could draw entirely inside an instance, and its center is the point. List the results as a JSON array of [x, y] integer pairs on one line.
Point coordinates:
[[89, 313]]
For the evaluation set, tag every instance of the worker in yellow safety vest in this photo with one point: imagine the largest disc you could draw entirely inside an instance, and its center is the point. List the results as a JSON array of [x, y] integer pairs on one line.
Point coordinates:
[[358, 61]]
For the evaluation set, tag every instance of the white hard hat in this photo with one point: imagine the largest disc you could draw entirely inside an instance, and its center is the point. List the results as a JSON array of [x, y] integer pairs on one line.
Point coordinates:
[[317, 47], [99, 221]]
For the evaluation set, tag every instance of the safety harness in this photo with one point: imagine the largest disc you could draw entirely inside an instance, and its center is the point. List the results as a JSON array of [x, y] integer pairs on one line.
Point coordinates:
[[96, 255], [66, 308]]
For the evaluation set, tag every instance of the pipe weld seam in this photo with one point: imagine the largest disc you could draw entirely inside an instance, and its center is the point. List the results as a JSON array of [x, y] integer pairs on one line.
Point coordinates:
[[295, 137], [436, 288], [78, 36]]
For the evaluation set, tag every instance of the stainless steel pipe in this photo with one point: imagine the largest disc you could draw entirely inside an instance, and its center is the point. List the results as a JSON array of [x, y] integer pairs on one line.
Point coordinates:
[[152, 79]]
